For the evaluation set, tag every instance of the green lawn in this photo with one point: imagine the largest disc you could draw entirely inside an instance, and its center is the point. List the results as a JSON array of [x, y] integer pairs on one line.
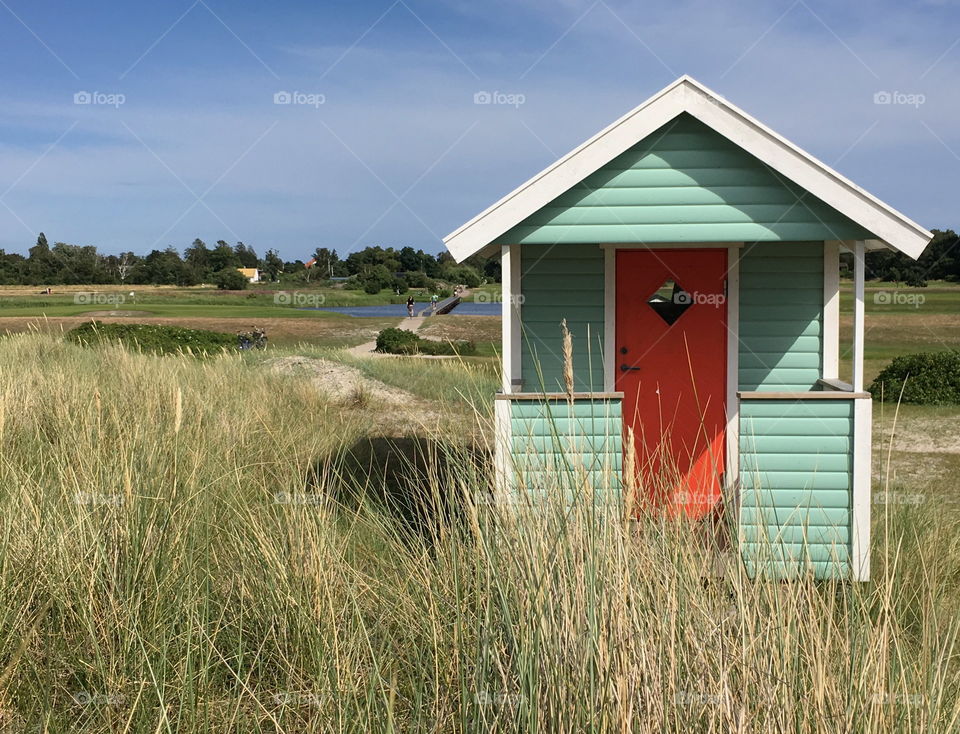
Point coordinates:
[[111, 297]]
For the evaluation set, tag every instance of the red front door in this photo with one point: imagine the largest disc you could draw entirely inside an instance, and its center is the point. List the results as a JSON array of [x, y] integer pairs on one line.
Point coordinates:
[[671, 363]]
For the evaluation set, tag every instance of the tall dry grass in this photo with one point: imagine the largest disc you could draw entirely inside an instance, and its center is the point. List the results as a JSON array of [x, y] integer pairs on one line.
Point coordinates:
[[170, 562]]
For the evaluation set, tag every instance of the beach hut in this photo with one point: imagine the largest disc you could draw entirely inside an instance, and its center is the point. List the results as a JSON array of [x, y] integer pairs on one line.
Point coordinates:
[[694, 256]]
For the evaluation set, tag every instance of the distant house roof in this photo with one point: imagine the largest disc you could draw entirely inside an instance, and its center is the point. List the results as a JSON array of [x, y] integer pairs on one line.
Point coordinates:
[[686, 95], [310, 263]]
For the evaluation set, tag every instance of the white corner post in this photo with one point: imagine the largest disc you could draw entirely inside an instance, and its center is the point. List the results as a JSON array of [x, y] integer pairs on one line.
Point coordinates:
[[858, 314], [733, 369], [510, 313], [510, 351], [831, 310], [862, 438]]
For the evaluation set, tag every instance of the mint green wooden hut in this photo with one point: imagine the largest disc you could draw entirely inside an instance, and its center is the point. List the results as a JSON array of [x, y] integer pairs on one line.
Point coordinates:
[[694, 255]]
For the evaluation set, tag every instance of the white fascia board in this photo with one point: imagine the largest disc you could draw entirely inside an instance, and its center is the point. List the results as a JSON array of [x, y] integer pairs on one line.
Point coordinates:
[[797, 165], [687, 95]]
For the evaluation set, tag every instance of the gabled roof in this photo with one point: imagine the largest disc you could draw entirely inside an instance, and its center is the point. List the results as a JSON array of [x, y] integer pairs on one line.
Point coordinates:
[[892, 229]]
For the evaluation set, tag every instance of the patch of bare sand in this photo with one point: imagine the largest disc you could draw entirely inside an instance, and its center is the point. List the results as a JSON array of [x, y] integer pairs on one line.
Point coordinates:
[[470, 328], [921, 451], [916, 435], [397, 410]]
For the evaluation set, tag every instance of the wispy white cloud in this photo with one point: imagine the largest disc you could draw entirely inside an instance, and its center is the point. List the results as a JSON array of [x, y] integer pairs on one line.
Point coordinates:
[[400, 106]]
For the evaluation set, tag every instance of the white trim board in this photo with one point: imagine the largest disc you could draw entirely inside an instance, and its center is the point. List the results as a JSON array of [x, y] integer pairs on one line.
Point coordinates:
[[893, 229], [831, 310], [861, 504], [733, 372]]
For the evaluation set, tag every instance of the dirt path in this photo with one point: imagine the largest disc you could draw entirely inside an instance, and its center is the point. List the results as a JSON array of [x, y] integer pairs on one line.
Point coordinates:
[[410, 323], [368, 349], [341, 383]]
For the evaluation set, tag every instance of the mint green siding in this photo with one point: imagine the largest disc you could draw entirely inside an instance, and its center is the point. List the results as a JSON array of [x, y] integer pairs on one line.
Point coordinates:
[[684, 183], [561, 283], [781, 316], [556, 446], [796, 487]]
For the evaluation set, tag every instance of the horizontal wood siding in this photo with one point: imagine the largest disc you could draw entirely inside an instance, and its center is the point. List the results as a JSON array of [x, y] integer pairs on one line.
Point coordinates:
[[781, 316], [559, 447], [559, 283], [796, 460], [684, 183]]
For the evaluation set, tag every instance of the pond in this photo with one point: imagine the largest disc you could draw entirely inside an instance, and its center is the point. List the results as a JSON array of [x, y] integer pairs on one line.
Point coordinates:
[[400, 310]]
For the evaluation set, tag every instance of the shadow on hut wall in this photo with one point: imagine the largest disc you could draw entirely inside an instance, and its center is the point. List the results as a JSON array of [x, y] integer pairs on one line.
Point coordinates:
[[422, 484]]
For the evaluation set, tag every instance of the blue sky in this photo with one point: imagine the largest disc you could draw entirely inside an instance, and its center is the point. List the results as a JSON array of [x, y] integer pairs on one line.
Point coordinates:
[[384, 143]]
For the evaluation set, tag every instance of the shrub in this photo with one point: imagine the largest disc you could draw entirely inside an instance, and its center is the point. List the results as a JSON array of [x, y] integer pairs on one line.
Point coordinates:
[[931, 378], [401, 341], [372, 286], [397, 341], [230, 279], [153, 337]]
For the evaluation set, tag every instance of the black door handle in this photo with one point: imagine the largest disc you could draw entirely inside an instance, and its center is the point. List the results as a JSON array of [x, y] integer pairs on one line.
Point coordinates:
[[627, 368]]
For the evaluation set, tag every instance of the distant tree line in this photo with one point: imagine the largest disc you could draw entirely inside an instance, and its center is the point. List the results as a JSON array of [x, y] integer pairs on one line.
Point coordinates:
[[65, 264], [376, 268], [371, 269], [939, 261]]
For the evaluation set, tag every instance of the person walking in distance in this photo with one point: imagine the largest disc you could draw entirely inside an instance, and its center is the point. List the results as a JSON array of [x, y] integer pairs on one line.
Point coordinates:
[[410, 303]]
